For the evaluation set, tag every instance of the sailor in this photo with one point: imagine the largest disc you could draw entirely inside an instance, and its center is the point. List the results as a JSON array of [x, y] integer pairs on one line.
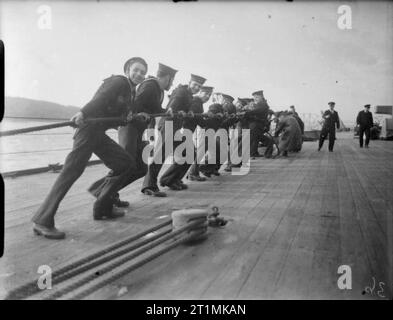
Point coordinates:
[[258, 122], [148, 100], [240, 123], [294, 114], [180, 101], [365, 122], [331, 120], [214, 122], [291, 138], [114, 98], [228, 125], [298, 119], [199, 99]]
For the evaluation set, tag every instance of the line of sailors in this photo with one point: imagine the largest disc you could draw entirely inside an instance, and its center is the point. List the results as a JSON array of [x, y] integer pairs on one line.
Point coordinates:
[[135, 97]]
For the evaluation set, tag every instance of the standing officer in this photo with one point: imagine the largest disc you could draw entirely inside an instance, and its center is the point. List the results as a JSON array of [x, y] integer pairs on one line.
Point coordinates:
[[148, 100], [180, 101], [113, 99], [365, 122], [331, 120]]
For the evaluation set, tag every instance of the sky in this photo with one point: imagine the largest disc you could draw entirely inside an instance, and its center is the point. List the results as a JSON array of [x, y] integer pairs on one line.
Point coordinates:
[[294, 52]]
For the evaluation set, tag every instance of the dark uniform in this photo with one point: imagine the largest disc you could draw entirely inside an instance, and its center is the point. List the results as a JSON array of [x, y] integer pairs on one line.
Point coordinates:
[[196, 108], [258, 124], [229, 109], [149, 97], [180, 100], [365, 122], [212, 123], [113, 99], [329, 128]]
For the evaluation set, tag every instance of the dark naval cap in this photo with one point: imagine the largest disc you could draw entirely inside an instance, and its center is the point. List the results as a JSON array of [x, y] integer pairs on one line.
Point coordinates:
[[166, 70], [198, 79], [228, 97], [331, 102], [258, 93], [367, 106], [207, 89]]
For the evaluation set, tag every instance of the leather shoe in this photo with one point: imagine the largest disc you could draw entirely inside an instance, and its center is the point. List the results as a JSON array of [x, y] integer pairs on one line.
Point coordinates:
[[50, 233], [154, 192], [192, 177], [207, 174], [173, 186], [106, 212], [121, 204], [182, 185]]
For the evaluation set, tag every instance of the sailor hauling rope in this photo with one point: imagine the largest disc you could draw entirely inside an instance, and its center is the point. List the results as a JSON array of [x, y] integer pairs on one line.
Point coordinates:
[[116, 97], [118, 101]]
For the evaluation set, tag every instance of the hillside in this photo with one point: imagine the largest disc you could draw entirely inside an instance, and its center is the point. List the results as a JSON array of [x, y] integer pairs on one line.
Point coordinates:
[[29, 108]]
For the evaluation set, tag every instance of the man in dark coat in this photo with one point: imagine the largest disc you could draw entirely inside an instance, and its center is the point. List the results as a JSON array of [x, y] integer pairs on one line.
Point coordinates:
[[365, 122], [114, 98], [180, 102], [148, 100], [331, 120], [295, 115], [290, 133]]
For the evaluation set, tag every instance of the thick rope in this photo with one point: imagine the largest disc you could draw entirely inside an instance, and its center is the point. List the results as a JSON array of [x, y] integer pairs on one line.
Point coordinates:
[[131, 268], [31, 287], [116, 120], [125, 259]]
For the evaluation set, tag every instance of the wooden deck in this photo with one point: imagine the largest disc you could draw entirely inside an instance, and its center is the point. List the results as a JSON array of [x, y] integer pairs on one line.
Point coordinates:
[[294, 222]]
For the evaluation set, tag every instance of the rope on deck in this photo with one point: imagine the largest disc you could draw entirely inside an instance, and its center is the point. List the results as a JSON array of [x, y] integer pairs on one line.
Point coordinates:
[[130, 252], [31, 287], [133, 267], [150, 245]]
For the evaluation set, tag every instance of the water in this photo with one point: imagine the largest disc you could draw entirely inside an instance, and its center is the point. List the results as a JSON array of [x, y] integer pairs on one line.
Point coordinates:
[[36, 149]]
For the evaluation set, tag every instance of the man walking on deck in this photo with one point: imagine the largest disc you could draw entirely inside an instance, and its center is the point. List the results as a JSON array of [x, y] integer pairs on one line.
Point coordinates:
[[331, 120], [114, 98], [365, 122]]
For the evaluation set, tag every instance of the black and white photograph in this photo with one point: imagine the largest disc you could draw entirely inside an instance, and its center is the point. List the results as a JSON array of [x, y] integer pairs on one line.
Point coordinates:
[[221, 151]]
